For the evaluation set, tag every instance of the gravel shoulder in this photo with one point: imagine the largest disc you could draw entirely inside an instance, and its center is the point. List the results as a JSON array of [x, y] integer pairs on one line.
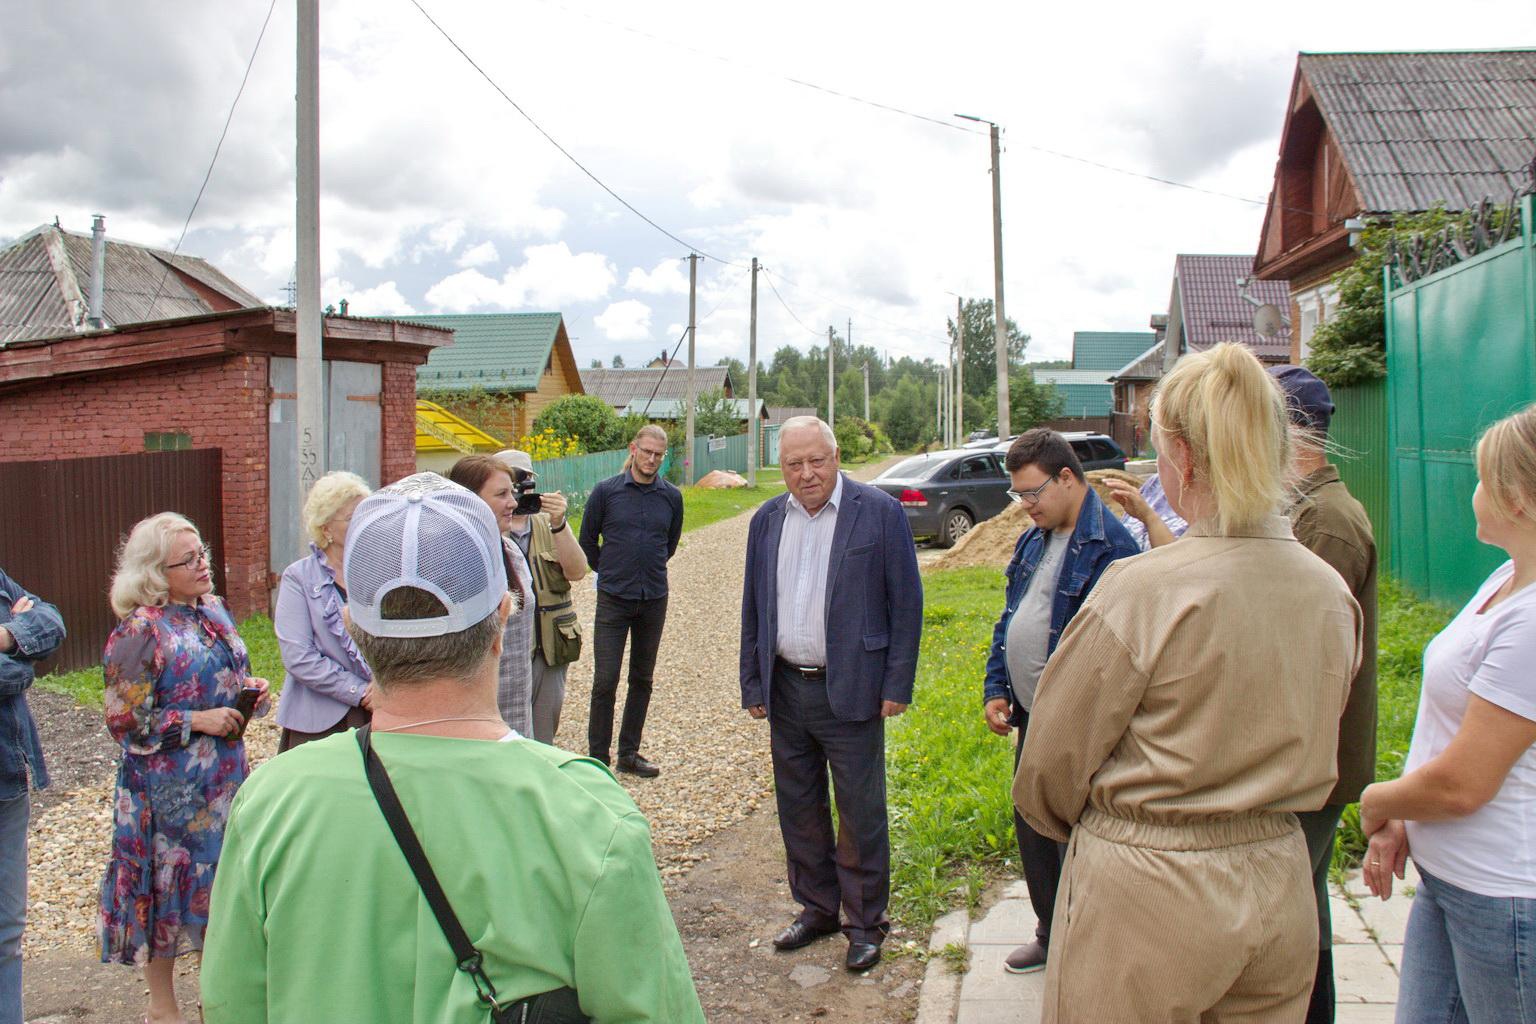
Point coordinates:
[[711, 813]]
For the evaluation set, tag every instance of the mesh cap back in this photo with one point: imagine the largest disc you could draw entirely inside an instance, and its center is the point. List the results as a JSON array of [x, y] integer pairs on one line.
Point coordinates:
[[429, 533]]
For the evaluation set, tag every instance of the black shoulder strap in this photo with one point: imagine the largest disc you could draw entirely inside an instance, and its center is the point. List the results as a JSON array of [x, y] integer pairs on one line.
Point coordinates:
[[469, 958]]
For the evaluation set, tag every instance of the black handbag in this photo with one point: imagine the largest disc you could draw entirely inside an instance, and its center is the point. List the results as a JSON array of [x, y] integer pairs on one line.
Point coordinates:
[[559, 1006]]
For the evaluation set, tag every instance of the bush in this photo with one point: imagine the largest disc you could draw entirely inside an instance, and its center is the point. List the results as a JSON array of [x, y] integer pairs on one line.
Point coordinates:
[[587, 418], [855, 438], [546, 444]]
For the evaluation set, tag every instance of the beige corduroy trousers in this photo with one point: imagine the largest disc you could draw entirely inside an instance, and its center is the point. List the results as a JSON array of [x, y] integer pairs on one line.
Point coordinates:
[[1175, 924]]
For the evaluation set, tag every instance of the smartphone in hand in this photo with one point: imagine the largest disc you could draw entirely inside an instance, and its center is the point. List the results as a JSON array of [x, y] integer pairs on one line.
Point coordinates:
[[246, 705]]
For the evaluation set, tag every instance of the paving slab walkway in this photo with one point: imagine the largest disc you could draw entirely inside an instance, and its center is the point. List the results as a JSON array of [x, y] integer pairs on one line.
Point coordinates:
[[1367, 937]]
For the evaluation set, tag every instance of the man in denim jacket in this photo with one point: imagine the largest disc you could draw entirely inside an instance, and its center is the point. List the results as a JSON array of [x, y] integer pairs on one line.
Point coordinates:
[[1056, 562], [30, 629]]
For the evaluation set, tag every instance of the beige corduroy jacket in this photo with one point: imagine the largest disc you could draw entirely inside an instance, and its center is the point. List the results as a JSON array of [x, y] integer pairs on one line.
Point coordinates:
[[1201, 680]]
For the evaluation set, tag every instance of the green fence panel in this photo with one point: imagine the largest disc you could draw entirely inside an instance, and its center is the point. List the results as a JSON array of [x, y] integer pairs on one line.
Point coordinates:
[[732, 455], [576, 475], [1363, 454], [1461, 353]]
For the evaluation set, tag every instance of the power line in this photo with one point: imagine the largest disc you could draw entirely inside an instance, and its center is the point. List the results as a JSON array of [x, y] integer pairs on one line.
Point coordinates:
[[208, 175], [776, 295], [551, 140]]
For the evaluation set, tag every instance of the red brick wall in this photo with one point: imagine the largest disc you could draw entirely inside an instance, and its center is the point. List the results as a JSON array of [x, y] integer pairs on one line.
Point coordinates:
[[397, 451], [218, 404]]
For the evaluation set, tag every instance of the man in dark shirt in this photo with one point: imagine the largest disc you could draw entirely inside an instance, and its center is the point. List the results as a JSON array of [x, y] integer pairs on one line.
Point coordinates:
[[639, 518]]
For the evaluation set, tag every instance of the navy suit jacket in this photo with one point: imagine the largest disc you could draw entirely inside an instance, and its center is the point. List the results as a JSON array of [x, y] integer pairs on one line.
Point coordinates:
[[874, 604]]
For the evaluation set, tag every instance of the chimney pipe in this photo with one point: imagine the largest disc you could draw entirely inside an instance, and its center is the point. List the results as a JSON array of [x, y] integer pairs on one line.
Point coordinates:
[[343, 307], [98, 272]]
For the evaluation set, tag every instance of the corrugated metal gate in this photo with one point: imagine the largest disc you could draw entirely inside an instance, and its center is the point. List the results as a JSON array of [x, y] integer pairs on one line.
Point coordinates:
[[1359, 430], [1461, 353], [62, 520]]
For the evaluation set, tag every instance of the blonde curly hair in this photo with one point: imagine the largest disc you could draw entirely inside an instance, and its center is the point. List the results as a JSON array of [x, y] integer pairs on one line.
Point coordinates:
[[139, 580], [327, 497]]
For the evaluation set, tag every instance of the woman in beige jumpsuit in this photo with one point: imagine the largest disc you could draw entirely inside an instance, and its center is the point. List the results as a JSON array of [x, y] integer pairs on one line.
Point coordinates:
[[1192, 705]]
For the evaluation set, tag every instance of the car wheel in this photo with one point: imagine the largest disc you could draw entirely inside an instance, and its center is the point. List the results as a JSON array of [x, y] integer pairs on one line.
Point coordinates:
[[957, 523]]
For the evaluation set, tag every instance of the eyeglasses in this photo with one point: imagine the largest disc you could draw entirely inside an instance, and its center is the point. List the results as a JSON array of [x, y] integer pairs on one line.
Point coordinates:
[[817, 464], [1031, 497], [650, 453], [203, 554]]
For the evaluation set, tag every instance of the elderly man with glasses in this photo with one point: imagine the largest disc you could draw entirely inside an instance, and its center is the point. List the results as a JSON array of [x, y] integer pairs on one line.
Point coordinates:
[[629, 531], [1058, 559]]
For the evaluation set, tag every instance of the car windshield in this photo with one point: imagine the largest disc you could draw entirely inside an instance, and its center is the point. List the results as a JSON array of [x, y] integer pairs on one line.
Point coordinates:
[[918, 467]]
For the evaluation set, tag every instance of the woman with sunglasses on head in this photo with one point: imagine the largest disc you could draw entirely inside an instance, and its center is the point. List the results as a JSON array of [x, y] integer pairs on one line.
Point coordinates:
[[175, 670], [327, 688]]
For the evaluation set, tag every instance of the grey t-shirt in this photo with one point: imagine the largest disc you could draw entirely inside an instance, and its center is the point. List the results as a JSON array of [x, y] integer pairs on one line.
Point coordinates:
[[1029, 631]]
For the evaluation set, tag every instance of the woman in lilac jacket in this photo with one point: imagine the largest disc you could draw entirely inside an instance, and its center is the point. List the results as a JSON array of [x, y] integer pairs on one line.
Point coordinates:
[[327, 687]]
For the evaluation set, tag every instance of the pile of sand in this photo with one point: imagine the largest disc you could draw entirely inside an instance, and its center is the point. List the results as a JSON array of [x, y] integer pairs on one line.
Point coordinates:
[[991, 543], [720, 478]]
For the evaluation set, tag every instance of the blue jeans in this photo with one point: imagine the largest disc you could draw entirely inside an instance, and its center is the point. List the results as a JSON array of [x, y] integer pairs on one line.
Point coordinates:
[[13, 901], [1467, 959]]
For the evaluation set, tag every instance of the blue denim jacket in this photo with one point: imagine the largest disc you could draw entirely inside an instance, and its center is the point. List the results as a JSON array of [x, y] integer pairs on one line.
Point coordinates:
[[1097, 540], [38, 633]]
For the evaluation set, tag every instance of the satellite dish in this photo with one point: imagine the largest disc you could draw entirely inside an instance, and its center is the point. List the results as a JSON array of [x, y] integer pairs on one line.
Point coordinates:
[[1267, 320]]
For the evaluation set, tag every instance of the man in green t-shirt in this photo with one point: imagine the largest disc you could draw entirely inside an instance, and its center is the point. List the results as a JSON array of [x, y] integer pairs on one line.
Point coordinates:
[[543, 858]]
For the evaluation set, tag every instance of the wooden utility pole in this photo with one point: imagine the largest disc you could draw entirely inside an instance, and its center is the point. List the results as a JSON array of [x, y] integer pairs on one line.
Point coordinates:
[[866, 391], [693, 296], [754, 432], [960, 370], [938, 407], [831, 376], [309, 367], [1003, 429]]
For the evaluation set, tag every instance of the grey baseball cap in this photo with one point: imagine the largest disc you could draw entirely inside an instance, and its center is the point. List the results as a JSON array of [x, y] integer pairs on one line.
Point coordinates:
[[429, 533]]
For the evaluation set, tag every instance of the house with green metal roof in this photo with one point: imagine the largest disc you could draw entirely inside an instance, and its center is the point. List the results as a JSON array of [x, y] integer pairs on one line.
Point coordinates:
[[1108, 350], [527, 355]]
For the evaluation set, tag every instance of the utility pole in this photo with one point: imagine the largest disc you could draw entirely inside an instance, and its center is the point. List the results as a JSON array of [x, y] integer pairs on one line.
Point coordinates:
[[754, 432], [308, 327], [831, 376], [960, 370], [997, 277], [866, 391], [693, 295], [938, 407]]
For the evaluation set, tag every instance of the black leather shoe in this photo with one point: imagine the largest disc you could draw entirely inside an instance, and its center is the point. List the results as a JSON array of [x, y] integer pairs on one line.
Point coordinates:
[[863, 955], [634, 764], [800, 934]]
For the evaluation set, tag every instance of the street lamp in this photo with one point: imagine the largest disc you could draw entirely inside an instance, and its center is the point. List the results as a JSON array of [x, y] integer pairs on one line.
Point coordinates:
[[1001, 324]]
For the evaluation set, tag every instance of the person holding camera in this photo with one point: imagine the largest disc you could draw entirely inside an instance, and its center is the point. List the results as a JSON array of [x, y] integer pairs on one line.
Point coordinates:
[[492, 481], [555, 561]]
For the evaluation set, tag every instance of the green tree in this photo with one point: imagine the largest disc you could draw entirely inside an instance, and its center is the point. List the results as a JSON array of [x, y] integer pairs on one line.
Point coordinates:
[[714, 415], [587, 418], [980, 370], [1030, 403], [618, 361], [597, 364]]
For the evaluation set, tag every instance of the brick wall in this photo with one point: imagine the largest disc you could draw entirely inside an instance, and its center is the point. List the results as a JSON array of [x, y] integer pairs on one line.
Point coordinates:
[[219, 404], [397, 418]]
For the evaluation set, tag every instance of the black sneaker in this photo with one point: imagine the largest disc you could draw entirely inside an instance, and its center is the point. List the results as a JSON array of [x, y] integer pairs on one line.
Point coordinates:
[[1027, 959], [634, 764]]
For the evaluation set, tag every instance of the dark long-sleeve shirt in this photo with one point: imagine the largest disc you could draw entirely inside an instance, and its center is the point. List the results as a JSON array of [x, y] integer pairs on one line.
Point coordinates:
[[639, 526]]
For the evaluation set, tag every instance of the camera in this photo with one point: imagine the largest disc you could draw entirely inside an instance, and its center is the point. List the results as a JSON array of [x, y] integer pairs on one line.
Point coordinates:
[[527, 501]]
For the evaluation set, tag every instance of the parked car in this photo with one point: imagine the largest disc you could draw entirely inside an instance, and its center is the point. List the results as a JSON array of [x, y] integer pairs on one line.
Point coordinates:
[[1094, 451], [946, 493]]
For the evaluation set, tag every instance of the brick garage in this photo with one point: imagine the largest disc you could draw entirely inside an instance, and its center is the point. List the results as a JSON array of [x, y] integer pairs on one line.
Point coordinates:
[[200, 382]]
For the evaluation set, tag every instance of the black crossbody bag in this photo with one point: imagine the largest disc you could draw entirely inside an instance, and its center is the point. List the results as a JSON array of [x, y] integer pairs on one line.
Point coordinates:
[[555, 1007]]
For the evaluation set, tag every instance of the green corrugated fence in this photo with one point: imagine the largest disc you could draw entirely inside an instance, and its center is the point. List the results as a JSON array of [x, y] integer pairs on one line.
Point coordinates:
[[732, 456], [576, 475], [1359, 432]]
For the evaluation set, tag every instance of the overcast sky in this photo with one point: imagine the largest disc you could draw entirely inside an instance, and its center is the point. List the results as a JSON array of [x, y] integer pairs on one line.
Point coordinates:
[[439, 197]]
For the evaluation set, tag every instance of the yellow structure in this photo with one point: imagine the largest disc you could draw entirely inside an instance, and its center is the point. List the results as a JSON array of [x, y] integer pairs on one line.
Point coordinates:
[[443, 438]]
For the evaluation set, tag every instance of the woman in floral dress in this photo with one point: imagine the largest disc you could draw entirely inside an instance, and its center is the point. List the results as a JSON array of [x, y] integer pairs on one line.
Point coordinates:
[[175, 667]]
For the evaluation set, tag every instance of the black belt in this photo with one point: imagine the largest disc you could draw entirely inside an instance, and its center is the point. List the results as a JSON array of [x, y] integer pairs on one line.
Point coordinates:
[[804, 671]]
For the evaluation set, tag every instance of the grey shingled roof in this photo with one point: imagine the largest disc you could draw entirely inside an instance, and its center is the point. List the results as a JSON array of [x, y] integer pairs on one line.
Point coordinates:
[[45, 278], [620, 387], [1212, 311], [1417, 129]]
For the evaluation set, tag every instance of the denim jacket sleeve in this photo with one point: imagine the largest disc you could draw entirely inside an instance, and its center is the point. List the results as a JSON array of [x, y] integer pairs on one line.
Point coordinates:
[[996, 684], [37, 632]]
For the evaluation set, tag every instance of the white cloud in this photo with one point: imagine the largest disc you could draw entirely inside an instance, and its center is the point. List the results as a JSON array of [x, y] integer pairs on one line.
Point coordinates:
[[479, 255], [550, 276], [627, 320], [666, 278]]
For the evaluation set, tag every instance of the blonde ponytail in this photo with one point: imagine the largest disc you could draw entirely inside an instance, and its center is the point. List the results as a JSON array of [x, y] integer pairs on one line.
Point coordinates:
[[1232, 415]]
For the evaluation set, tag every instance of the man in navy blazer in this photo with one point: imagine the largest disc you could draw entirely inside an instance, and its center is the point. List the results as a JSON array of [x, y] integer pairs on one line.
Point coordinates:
[[831, 616]]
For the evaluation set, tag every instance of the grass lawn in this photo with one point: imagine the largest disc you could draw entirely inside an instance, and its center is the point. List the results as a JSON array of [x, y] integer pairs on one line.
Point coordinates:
[[948, 776]]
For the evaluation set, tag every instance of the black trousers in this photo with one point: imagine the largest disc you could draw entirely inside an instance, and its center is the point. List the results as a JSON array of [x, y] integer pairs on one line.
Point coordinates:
[[851, 869], [1320, 827], [1041, 858], [619, 619]]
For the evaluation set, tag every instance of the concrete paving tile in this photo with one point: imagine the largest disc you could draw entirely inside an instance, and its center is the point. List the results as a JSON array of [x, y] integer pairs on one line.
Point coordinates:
[[952, 927], [998, 1011], [1365, 1013], [1009, 921], [1361, 974], [988, 981], [1388, 919], [1347, 926], [1016, 890], [940, 997], [1394, 954]]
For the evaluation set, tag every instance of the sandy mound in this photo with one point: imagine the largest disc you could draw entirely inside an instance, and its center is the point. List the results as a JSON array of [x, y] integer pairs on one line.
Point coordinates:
[[721, 478], [991, 543]]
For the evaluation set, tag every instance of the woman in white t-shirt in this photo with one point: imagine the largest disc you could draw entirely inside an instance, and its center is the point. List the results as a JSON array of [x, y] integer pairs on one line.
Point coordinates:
[[1465, 806]]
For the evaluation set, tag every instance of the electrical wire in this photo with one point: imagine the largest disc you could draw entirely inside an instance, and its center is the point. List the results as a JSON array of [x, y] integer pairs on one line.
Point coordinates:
[[776, 295], [563, 151], [208, 175]]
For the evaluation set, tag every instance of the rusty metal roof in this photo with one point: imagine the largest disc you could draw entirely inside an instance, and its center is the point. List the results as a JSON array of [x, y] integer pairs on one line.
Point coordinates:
[[1418, 129], [45, 275], [1212, 310]]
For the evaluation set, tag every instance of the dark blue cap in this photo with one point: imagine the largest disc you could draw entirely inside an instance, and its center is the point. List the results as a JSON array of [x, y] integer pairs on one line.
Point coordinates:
[[1306, 398]]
